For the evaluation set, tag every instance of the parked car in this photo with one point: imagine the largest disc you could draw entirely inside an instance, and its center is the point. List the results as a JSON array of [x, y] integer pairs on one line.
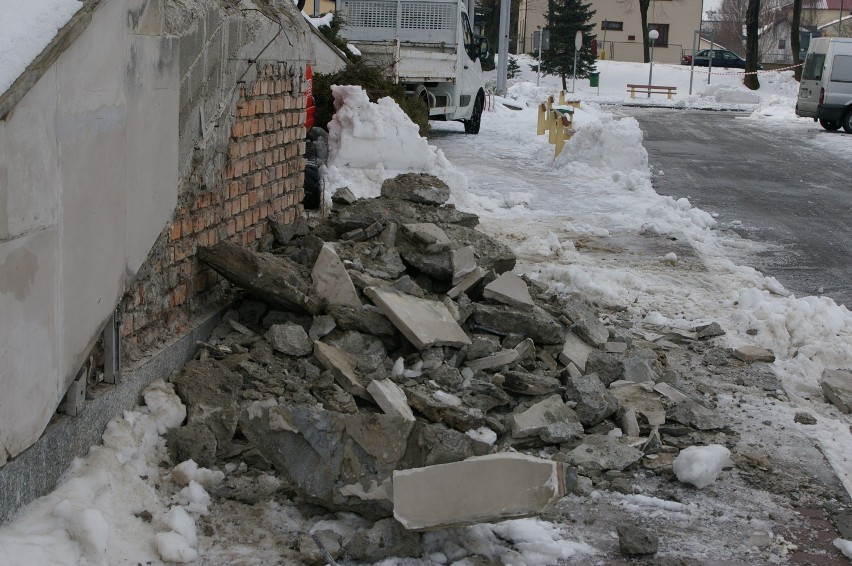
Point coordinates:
[[721, 58]]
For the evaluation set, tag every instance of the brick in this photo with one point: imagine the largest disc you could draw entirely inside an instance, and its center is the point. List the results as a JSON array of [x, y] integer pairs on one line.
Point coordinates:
[[179, 295], [240, 223], [231, 227], [175, 231], [198, 223], [186, 226]]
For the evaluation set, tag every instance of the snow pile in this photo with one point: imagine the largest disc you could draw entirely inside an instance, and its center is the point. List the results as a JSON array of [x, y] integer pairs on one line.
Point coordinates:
[[730, 94], [370, 142], [775, 108], [26, 28], [700, 465], [528, 94], [614, 145], [93, 516], [520, 542]]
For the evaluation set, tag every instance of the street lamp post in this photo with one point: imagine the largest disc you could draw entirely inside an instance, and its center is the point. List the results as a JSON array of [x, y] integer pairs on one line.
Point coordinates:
[[652, 35], [538, 69]]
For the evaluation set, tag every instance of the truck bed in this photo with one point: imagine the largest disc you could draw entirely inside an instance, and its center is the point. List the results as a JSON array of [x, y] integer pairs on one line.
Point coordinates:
[[410, 62]]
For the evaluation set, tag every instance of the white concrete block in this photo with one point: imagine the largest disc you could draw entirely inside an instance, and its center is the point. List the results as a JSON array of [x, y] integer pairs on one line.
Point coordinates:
[[467, 282], [342, 364], [575, 350], [480, 489], [429, 237], [391, 398], [423, 322], [511, 290], [464, 262], [332, 281]]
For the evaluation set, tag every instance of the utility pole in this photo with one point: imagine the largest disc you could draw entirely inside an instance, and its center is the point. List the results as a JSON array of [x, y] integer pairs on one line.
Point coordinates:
[[503, 47]]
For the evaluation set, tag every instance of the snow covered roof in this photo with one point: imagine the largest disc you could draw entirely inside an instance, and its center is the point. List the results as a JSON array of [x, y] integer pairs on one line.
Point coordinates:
[[26, 29]]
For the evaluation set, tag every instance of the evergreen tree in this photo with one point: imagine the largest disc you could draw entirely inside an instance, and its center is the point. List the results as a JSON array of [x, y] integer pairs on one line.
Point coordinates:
[[564, 19]]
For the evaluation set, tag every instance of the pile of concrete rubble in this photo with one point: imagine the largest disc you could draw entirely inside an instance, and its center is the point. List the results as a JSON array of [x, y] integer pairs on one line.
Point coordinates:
[[386, 361]]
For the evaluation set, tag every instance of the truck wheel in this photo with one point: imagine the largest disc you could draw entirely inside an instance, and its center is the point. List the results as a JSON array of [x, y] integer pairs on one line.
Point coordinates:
[[830, 125], [471, 126], [846, 121]]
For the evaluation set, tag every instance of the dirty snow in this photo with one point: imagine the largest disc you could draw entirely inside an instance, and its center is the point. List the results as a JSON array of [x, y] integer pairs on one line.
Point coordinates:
[[26, 28]]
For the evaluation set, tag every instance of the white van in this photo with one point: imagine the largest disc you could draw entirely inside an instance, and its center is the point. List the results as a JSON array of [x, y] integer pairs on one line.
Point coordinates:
[[425, 45], [825, 93]]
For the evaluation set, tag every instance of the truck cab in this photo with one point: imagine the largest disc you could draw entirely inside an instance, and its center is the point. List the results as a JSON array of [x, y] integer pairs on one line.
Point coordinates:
[[427, 46], [825, 91]]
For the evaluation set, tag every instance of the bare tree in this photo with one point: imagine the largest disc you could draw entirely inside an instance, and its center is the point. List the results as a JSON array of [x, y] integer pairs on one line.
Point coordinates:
[[795, 26], [643, 15], [752, 48]]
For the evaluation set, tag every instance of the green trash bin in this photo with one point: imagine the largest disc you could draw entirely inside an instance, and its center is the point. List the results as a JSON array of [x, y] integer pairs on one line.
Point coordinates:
[[594, 79]]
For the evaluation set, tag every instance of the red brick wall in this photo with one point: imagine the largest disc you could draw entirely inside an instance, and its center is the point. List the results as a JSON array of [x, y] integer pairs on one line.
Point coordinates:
[[262, 177]]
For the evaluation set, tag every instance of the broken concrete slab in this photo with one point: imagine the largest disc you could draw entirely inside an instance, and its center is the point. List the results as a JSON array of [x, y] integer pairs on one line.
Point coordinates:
[[575, 351], [509, 289], [432, 444], [342, 364], [437, 409], [594, 402], [391, 398], [370, 258], [526, 383], [672, 394], [551, 419], [366, 319], [342, 462], [321, 326], [602, 452], [386, 538], [634, 541], [423, 322], [535, 323], [480, 489], [696, 415], [464, 262], [615, 347], [343, 196], [750, 354], [421, 188], [365, 212], [332, 281], [585, 321], [501, 358], [491, 254], [643, 402], [836, 385], [629, 423], [708, 331], [638, 370], [277, 280], [290, 339], [283, 233], [428, 237], [467, 282]]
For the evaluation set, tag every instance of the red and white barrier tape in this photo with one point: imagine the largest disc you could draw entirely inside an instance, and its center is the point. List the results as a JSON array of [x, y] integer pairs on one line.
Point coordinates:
[[704, 70]]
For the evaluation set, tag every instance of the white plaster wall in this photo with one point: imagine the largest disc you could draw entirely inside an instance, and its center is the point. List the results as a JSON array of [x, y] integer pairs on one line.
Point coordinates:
[[88, 180]]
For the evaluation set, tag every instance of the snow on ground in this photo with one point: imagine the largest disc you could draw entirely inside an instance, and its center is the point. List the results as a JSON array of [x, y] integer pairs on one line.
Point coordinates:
[[587, 222], [26, 28]]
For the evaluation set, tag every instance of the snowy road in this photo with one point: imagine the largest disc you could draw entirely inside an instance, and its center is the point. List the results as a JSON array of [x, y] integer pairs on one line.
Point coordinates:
[[783, 188]]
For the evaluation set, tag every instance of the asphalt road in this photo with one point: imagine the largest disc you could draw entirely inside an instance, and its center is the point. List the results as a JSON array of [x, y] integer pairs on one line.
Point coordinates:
[[764, 185]]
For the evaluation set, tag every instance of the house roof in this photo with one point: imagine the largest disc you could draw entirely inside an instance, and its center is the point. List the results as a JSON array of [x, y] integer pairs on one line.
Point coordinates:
[[831, 5]]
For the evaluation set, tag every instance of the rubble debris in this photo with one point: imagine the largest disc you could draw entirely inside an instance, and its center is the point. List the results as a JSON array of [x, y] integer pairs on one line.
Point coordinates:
[[594, 402], [525, 383], [750, 354], [708, 331], [416, 187], [344, 196], [598, 453], [290, 339], [634, 541], [277, 280], [836, 385], [423, 322], [671, 393], [364, 319], [501, 358], [509, 289], [438, 410], [480, 489], [804, 418], [615, 347], [365, 212], [643, 402], [342, 364], [551, 419], [464, 263], [331, 280], [585, 321], [386, 538], [428, 237], [536, 323], [467, 282], [283, 233]]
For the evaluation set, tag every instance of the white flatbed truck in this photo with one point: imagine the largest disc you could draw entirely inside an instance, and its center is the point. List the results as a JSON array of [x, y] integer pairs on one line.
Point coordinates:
[[425, 45]]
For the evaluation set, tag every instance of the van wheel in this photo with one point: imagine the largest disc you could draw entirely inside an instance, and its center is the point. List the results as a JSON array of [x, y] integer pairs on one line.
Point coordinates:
[[471, 126], [846, 121], [830, 125]]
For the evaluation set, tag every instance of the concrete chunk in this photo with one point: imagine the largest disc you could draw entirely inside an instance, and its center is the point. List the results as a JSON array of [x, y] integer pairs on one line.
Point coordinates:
[[423, 322], [629, 424], [544, 414], [751, 354], [511, 290], [467, 282], [673, 394], [391, 398], [430, 238], [576, 351], [464, 263], [836, 385], [342, 364], [332, 281], [289, 339], [501, 358], [480, 489]]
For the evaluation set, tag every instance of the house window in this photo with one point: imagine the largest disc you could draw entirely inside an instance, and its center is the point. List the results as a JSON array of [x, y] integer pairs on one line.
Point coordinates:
[[782, 43], [663, 30], [631, 38], [609, 24]]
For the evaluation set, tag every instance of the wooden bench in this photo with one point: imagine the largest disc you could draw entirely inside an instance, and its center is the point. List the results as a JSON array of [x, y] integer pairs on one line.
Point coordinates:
[[651, 89]]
